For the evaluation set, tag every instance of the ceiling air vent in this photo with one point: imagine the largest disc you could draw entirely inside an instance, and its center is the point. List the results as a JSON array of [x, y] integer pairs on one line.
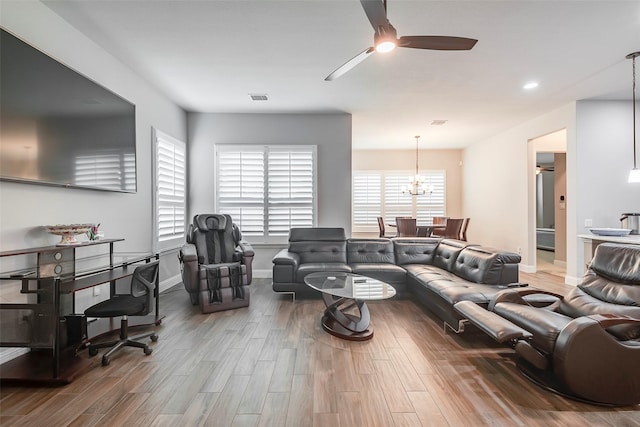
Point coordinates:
[[259, 96], [438, 122]]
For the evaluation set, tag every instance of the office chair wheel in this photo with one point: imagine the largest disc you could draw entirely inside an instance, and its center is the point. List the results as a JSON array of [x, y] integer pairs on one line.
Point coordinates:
[[148, 351], [105, 361], [93, 351], [154, 338]]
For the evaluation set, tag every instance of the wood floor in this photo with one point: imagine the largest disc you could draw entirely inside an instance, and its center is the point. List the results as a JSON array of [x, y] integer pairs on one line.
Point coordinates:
[[272, 365]]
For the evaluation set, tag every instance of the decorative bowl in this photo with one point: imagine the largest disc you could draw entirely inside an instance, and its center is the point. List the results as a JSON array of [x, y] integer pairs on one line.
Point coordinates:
[[68, 232], [611, 231]]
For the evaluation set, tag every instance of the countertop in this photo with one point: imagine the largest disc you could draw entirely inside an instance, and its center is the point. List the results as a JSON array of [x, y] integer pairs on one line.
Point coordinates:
[[633, 239]]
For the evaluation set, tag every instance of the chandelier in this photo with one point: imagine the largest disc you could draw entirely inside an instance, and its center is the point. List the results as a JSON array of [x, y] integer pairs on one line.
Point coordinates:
[[417, 184]]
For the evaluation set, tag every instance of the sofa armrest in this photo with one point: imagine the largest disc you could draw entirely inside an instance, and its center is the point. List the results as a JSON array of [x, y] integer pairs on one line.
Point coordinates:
[[188, 257], [246, 248], [188, 253], [516, 295], [284, 257], [594, 364]]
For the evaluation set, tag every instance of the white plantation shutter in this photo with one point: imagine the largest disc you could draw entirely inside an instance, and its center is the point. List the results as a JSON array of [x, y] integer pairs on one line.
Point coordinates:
[[367, 200], [266, 189], [290, 190], [432, 203], [397, 203], [378, 193], [240, 188], [170, 183]]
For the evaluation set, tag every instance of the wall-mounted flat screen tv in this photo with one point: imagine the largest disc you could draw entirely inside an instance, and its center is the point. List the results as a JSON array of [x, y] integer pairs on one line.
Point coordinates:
[[58, 127]]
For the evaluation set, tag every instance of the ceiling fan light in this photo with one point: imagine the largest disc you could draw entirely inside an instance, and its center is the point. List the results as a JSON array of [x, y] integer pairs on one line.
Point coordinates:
[[634, 176], [385, 46]]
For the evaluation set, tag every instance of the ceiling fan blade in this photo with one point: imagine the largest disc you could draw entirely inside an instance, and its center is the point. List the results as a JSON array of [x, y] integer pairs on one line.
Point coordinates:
[[350, 64], [437, 42], [376, 12]]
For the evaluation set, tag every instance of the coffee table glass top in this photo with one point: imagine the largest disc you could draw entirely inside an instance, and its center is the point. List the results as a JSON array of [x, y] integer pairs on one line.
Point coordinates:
[[349, 285]]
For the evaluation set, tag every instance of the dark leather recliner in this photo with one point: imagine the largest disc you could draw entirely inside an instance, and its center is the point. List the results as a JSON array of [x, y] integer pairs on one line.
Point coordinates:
[[585, 345], [216, 264]]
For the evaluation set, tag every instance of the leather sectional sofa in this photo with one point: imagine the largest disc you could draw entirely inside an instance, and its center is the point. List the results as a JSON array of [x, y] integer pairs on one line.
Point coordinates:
[[439, 272]]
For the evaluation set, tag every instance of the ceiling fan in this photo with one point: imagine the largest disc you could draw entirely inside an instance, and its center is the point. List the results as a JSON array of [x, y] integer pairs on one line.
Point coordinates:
[[385, 38]]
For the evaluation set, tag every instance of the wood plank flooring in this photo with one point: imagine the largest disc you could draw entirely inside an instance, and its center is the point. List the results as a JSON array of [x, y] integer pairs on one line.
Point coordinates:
[[272, 365]]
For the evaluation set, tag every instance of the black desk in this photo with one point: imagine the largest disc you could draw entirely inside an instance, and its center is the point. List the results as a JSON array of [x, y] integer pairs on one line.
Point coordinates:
[[40, 324]]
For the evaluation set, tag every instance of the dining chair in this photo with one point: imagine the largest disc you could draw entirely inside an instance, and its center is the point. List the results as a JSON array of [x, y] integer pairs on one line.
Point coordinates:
[[440, 220], [463, 230], [381, 226], [406, 227], [451, 230]]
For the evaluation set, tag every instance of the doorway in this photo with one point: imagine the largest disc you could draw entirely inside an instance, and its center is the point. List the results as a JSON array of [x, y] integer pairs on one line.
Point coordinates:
[[550, 203]]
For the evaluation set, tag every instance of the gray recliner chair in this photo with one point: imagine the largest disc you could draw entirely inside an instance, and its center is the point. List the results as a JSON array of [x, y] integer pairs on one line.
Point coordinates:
[[585, 345], [216, 264]]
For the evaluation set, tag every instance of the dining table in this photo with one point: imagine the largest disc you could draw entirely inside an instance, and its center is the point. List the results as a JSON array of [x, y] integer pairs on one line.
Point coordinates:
[[426, 230]]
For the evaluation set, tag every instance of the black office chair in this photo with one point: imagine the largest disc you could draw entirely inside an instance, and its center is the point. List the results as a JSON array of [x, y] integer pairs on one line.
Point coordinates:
[[138, 302]]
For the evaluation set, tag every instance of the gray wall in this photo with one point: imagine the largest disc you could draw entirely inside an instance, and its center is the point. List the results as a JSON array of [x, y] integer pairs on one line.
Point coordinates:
[[330, 132], [605, 157]]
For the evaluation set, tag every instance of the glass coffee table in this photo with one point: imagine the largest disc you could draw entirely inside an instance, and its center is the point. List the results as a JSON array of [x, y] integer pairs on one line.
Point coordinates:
[[343, 294]]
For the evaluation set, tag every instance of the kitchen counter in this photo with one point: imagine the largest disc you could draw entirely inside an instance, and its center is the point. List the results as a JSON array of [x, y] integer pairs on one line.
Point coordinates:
[[633, 239]]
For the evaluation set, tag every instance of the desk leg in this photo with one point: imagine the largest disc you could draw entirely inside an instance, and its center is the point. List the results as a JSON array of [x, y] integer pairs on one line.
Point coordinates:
[[56, 333], [341, 324]]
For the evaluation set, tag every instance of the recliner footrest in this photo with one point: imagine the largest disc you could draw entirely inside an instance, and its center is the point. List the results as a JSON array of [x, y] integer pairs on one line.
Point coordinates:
[[498, 328]]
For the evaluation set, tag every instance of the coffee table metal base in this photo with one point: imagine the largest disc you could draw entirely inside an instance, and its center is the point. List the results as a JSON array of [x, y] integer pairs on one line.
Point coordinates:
[[346, 325]]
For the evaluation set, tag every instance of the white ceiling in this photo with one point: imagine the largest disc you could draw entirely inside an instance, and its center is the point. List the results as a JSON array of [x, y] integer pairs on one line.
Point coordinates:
[[209, 55]]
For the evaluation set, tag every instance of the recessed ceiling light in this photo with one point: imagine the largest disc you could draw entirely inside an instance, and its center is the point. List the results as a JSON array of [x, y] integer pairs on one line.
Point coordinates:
[[530, 85]]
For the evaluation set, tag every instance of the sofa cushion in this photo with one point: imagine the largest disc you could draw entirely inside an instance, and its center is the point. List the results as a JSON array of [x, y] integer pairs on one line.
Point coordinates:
[[320, 251], [447, 252], [617, 262], [581, 301], [309, 268], [478, 265], [426, 273], [389, 273], [370, 251], [414, 251]]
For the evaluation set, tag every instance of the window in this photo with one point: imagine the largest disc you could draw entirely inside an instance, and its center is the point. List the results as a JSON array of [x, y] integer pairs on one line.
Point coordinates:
[[170, 198], [378, 193], [267, 190]]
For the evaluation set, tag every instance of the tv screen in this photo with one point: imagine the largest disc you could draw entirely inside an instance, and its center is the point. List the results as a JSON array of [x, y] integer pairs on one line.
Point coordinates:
[[58, 127]]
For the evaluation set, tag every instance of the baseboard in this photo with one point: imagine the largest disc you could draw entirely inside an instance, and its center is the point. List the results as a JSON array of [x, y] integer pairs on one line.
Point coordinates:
[[526, 268], [562, 264], [170, 282], [262, 274], [571, 280]]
